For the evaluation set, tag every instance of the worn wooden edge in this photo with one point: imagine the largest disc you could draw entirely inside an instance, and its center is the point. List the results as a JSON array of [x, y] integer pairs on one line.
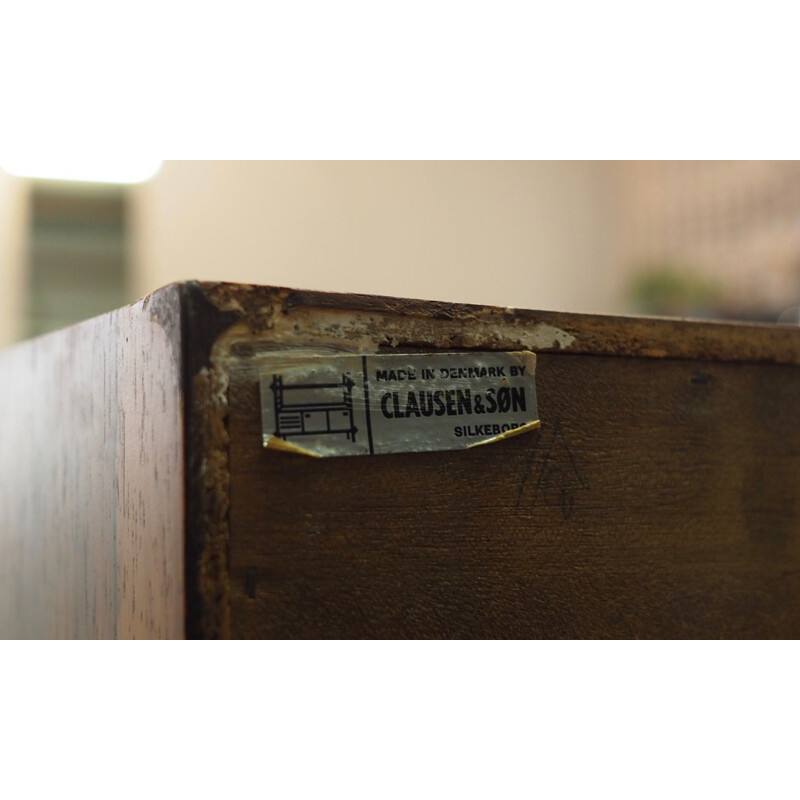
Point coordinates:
[[595, 334], [207, 485], [403, 324], [390, 320]]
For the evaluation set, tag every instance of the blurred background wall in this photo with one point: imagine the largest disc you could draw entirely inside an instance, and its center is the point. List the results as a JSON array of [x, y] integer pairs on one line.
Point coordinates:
[[532, 233], [710, 238], [704, 239]]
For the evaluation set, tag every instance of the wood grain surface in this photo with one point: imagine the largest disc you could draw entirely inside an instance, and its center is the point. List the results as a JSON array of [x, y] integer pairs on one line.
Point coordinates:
[[91, 479], [658, 499]]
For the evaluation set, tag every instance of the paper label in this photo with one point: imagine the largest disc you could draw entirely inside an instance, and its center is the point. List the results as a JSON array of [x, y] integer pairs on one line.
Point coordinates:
[[349, 405]]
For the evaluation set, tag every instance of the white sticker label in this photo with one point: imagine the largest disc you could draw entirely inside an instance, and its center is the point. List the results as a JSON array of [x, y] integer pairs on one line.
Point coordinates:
[[353, 405]]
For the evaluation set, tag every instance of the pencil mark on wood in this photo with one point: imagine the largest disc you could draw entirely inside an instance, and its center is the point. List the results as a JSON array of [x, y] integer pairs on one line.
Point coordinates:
[[527, 471], [558, 478]]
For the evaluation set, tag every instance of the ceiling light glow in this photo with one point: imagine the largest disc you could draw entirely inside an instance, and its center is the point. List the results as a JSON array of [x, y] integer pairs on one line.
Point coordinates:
[[83, 170]]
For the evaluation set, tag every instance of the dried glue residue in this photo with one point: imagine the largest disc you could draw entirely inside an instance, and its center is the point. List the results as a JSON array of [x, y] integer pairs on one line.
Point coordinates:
[[276, 443], [545, 337], [526, 428]]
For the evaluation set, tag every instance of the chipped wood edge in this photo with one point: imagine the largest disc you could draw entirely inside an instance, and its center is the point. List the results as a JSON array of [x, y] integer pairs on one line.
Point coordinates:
[[207, 485], [365, 323]]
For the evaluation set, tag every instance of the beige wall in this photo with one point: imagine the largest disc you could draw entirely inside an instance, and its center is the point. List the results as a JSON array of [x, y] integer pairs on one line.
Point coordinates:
[[12, 240], [531, 234]]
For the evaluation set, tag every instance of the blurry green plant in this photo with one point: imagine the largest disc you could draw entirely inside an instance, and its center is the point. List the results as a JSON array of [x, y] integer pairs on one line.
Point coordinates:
[[671, 290]]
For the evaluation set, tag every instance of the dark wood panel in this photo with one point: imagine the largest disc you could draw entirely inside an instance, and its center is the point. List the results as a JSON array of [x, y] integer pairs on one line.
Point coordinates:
[[91, 479], [659, 499]]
